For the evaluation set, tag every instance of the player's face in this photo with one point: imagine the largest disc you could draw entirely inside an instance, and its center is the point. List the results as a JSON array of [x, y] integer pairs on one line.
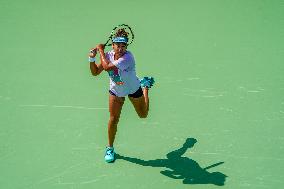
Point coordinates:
[[119, 49]]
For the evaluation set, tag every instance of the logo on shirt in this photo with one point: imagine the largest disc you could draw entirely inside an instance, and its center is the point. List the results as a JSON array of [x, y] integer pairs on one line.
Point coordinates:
[[115, 77]]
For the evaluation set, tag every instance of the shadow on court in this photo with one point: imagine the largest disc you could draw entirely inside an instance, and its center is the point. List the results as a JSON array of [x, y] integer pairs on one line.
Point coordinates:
[[179, 167]]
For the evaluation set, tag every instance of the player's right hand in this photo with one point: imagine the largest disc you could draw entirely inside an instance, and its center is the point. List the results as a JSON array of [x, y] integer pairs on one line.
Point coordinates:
[[100, 47]]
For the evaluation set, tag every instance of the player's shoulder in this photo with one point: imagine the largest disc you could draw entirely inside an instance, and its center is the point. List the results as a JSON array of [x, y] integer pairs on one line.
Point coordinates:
[[128, 54]]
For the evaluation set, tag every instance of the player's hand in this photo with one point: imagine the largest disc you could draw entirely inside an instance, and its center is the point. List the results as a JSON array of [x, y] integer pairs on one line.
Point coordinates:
[[93, 53], [100, 47], [189, 143]]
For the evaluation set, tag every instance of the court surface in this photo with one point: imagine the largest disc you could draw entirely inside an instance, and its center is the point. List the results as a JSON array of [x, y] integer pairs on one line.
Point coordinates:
[[217, 109]]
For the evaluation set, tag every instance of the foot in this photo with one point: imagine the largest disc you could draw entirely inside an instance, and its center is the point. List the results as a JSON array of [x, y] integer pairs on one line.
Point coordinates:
[[109, 155], [147, 82]]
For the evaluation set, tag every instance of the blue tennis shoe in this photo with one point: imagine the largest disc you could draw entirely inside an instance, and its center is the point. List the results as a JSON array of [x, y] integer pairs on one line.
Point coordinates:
[[147, 82], [109, 155]]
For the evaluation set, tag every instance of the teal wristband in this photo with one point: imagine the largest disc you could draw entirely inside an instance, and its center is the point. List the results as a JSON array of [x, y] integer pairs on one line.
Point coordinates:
[[92, 59]]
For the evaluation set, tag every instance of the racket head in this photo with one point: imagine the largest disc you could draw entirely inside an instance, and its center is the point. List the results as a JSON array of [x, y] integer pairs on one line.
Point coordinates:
[[127, 28]]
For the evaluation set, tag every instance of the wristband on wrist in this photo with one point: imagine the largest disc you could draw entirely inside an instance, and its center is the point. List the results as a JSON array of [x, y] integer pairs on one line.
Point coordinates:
[[92, 59]]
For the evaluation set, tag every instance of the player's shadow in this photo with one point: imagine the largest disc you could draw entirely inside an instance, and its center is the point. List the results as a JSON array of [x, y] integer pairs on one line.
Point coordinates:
[[179, 167]]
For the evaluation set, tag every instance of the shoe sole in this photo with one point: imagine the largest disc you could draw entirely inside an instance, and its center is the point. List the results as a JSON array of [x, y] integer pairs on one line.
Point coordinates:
[[110, 161]]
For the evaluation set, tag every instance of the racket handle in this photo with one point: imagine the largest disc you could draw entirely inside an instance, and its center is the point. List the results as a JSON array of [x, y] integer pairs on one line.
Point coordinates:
[[93, 51]]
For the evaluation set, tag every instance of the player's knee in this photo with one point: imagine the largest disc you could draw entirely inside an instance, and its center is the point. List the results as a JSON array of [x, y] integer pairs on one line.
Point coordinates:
[[143, 115], [114, 119]]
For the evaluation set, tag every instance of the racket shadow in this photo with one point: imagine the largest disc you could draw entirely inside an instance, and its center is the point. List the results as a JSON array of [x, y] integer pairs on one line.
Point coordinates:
[[178, 167]]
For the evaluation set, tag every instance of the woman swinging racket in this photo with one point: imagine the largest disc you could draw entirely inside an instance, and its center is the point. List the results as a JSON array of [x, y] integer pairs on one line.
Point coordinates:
[[120, 65]]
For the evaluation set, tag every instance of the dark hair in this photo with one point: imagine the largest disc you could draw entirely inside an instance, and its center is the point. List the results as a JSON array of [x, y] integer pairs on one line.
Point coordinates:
[[121, 33]]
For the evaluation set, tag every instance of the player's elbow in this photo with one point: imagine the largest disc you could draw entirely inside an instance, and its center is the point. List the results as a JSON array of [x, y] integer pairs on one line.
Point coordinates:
[[94, 73], [143, 115], [107, 68]]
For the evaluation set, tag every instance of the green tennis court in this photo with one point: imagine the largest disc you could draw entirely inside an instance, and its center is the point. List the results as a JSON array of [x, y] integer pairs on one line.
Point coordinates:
[[216, 109]]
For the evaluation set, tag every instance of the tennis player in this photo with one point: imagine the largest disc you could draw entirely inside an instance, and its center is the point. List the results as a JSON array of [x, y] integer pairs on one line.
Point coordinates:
[[120, 65]]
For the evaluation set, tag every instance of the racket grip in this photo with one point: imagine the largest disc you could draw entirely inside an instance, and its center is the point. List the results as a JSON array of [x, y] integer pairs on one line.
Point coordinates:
[[93, 51]]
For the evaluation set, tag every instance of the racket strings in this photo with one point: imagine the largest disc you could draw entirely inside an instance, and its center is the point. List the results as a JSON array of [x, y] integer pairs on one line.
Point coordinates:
[[122, 30]]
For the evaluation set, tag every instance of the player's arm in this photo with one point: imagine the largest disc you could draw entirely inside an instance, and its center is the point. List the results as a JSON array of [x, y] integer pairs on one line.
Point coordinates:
[[96, 69], [104, 62], [189, 143]]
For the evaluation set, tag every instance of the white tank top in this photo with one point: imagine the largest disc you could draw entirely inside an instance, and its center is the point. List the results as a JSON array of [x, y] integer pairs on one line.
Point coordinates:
[[123, 79]]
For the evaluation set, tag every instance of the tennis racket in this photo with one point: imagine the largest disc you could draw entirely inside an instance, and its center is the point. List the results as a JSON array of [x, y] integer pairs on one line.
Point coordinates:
[[115, 29]]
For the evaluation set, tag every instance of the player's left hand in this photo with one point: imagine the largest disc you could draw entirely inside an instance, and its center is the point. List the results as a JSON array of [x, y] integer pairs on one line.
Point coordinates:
[[93, 53]]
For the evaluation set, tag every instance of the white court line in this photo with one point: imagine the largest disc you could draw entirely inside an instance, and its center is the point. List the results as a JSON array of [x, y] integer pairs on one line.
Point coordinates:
[[33, 105], [65, 171], [89, 181], [61, 106]]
